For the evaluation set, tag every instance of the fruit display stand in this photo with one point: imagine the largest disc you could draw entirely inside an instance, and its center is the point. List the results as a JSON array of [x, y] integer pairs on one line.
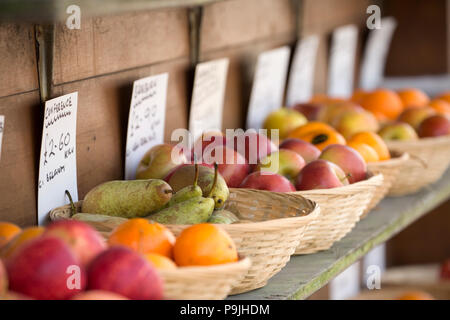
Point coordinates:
[[306, 274]]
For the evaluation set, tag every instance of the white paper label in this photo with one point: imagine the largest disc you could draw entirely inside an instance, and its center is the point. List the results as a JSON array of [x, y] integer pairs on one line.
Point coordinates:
[[268, 85], [301, 78], [342, 61], [207, 97], [375, 53], [346, 284], [58, 160], [2, 128], [374, 263], [145, 120]]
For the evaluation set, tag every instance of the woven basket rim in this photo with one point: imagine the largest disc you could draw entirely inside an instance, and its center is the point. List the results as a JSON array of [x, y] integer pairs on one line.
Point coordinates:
[[374, 180], [393, 161], [429, 141], [242, 263]]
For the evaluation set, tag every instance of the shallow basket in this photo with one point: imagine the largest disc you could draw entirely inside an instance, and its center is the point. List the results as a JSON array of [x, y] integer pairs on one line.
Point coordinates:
[[429, 159], [390, 170], [203, 282], [340, 209], [272, 225]]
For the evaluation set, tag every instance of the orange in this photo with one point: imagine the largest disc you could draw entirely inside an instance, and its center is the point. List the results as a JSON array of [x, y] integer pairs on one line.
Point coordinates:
[[323, 138], [143, 236], [415, 295], [368, 153], [309, 127], [7, 232], [358, 95], [413, 98], [373, 140], [160, 262], [20, 239], [204, 244], [383, 103], [440, 106], [445, 96]]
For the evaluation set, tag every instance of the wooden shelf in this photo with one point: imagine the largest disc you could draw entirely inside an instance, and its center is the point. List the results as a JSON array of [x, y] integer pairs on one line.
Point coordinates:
[[304, 275], [55, 10]]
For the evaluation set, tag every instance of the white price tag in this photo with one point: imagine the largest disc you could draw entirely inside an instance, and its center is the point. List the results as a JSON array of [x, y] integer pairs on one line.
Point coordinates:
[[375, 53], [342, 61], [374, 263], [346, 284], [301, 78], [145, 120], [207, 97], [268, 85], [2, 128], [58, 159]]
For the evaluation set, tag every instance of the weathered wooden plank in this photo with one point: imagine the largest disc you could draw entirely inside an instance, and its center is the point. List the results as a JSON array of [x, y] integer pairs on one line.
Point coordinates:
[[19, 157], [305, 274], [18, 68], [114, 43]]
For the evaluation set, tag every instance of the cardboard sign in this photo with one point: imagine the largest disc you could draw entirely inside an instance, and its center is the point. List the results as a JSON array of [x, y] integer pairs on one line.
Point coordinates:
[[145, 120], [301, 78], [268, 85], [207, 97], [346, 284], [375, 53], [58, 159], [342, 61], [2, 128]]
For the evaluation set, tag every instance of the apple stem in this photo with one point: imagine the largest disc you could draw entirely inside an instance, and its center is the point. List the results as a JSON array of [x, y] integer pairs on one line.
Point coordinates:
[[216, 173], [72, 205], [348, 175]]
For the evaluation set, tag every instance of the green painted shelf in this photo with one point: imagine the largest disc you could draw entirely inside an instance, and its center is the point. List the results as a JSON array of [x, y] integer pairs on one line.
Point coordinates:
[[305, 274]]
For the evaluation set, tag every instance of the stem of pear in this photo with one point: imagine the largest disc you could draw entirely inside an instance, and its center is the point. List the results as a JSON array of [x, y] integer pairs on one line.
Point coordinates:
[[216, 173], [196, 174], [72, 205]]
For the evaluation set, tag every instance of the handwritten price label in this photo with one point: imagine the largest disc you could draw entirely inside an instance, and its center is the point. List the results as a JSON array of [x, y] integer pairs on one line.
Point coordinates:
[[268, 85], [58, 163], [146, 120], [2, 128]]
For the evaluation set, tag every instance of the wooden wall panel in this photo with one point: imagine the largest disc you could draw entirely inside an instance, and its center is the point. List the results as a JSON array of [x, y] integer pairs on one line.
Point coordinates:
[[18, 71], [103, 107], [19, 159], [109, 44]]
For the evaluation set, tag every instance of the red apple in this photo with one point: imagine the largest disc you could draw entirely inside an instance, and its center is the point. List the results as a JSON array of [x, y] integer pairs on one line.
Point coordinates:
[[309, 110], [434, 126], [348, 159], [285, 162], [253, 146], [98, 295], [267, 181], [205, 145], [3, 279], [170, 174], [84, 240], [308, 151], [46, 269], [320, 174], [231, 165], [125, 272]]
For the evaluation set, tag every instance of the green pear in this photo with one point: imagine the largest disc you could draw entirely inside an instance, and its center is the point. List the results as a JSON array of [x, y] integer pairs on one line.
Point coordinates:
[[183, 176], [192, 191], [192, 211], [223, 217], [127, 199]]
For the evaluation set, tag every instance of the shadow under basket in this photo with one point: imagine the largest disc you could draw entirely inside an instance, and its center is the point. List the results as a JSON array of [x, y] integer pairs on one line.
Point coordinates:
[[390, 169], [271, 227], [340, 209], [428, 159]]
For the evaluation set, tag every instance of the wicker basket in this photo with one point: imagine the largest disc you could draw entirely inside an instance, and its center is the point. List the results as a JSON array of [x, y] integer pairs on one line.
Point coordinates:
[[203, 283], [390, 170], [340, 209], [429, 158], [272, 226]]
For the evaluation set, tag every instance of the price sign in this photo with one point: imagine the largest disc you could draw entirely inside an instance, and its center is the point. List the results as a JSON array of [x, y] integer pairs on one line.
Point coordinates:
[[146, 120], [268, 85], [301, 78], [346, 284], [342, 61], [374, 59], [207, 97], [58, 162], [2, 128]]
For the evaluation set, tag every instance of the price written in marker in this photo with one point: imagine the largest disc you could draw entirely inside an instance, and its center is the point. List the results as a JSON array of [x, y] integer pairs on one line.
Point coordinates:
[[342, 61], [207, 97], [301, 78], [268, 85], [2, 128], [146, 120], [58, 163]]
